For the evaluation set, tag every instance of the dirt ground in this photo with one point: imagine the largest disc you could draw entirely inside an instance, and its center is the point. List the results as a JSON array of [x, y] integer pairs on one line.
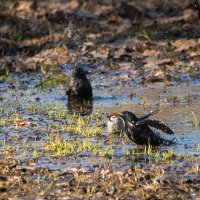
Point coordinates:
[[154, 41]]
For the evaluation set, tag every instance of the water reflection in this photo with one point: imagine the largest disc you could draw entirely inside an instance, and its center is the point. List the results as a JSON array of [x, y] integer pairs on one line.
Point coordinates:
[[80, 107]]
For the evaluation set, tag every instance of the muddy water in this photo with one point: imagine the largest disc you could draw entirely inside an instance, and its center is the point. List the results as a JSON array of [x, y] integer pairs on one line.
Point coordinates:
[[178, 106]]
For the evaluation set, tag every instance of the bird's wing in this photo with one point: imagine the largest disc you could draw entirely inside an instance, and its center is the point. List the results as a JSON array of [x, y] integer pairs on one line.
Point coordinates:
[[156, 124], [148, 115]]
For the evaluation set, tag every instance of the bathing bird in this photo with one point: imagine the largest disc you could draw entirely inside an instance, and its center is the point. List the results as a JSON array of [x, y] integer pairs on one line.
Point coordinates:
[[80, 90], [115, 123], [139, 129]]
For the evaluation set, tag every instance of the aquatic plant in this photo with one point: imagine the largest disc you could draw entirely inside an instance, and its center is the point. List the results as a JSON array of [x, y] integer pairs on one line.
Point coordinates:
[[167, 155], [61, 147], [152, 154], [35, 153], [108, 151]]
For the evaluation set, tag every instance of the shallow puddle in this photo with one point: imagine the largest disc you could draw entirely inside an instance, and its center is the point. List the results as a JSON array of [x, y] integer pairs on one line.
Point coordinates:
[[36, 110]]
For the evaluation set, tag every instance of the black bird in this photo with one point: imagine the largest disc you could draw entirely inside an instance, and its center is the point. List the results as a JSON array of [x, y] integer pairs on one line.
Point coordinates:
[[138, 129], [80, 90]]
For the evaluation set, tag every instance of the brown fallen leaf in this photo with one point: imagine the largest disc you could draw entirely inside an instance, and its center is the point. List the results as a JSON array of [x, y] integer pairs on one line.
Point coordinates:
[[108, 142]]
